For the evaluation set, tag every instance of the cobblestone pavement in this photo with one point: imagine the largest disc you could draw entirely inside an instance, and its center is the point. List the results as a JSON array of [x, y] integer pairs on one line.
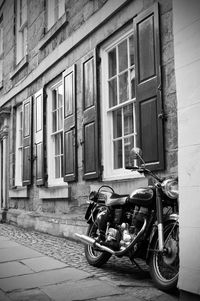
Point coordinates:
[[117, 270]]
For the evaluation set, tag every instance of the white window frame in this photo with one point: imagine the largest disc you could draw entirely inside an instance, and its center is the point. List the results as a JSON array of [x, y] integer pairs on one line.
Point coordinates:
[[52, 180], [55, 10], [109, 173], [21, 30], [19, 146]]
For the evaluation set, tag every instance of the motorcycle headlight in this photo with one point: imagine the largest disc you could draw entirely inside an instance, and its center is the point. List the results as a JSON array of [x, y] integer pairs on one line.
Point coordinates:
[[170, 188]]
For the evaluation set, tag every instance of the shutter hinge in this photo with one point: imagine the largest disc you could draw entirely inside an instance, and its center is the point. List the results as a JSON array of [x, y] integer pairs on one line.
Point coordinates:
[[163, 116]]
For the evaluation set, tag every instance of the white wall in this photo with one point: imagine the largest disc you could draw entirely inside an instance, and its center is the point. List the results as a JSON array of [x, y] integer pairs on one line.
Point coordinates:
[[186, 18]]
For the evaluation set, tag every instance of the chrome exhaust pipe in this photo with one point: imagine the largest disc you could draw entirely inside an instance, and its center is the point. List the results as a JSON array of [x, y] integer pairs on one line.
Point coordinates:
[[91, 241]]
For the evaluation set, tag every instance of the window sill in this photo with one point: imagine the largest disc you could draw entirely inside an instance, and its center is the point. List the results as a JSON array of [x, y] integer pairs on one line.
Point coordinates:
[[19, 192], [129, 176], [23, 63], [57, 192], [53, 31]]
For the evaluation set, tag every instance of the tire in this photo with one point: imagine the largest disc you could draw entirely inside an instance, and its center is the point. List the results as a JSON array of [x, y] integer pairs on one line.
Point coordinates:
[[94, 257], [164, 269]]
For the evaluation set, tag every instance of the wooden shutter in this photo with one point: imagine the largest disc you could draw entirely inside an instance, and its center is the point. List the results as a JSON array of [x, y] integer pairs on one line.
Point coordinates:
[[27, 142], [39, 136], [90, 118], [70, 140], [148, 88]]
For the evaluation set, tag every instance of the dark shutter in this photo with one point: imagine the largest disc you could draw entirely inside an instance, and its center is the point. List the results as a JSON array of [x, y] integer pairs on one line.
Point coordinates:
[[39, 136], [70, 140], [90, 117], [148, 88], [27, 142]]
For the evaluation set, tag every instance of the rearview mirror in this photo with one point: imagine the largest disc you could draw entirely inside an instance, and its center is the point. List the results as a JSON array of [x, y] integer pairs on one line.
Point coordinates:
[[136, 157]]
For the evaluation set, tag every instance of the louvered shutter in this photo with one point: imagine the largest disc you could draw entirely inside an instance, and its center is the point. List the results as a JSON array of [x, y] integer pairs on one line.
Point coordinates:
[[90, 117], [70, 127], [148, 88], [39, 136], [27, 142]]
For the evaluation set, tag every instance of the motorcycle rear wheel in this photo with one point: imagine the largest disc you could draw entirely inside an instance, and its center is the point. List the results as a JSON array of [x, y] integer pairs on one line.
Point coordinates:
[[95, 257], [164, 268]]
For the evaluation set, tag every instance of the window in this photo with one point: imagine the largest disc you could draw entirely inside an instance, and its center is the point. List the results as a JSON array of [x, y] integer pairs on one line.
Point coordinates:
[[119, 101], [55, 137], [21, 30], [132, 109], [1, 52], [55, 10], [19, 147]]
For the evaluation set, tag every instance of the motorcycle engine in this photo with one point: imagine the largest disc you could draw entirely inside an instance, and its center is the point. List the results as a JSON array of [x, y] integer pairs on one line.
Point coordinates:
[[121, 225]]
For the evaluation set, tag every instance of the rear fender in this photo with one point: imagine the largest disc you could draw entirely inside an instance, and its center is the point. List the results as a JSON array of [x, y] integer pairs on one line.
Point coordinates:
[[154, 234]]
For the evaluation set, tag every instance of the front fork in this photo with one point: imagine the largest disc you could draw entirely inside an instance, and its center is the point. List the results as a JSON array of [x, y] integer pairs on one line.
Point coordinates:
[[159, 210]]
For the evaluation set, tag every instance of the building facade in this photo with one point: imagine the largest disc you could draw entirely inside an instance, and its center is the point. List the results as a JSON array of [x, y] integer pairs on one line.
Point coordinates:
[[81, 83]]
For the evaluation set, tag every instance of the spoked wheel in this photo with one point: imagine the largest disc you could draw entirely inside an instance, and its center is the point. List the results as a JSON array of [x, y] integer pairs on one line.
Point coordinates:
[[93, 255], [164, 268]]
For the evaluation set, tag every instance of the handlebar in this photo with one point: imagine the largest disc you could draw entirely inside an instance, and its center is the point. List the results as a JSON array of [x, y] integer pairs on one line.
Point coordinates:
[[144, 170]]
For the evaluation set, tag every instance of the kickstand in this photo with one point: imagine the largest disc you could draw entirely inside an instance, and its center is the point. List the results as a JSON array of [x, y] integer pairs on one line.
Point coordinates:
[[137, 265]]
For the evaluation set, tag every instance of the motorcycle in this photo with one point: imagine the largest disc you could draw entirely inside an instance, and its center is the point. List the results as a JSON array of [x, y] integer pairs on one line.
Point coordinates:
[[141, 225]]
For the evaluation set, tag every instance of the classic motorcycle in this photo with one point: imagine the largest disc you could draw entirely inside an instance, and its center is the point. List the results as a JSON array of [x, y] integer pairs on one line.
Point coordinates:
[[141, 225]]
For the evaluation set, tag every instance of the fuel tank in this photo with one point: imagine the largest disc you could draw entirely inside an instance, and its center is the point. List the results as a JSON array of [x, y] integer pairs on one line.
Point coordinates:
[[143, 196]]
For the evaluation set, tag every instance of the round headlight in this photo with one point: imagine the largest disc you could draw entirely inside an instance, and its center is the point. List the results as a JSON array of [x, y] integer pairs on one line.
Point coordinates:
[[170, 188]]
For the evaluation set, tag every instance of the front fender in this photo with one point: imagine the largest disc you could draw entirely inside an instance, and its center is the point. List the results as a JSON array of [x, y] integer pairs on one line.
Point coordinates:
[[174, 217], [92, 211]]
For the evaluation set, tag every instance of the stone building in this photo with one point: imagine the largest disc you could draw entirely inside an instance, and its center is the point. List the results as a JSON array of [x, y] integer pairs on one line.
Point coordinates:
[[81, 83]]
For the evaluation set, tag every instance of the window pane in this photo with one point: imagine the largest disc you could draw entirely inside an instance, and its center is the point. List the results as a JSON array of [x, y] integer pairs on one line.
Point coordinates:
[[112, 62], [117, 123], [133, 83], [57, 145], [123, 87], [117, 154], [113, 92], [128, 145], [131, 49], [54, 121], [57, 167], [60, 119], [128, 119], [123, 57], [60, 96], [62, 172]]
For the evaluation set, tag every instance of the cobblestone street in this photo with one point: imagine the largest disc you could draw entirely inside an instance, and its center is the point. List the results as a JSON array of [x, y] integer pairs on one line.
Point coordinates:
[[118, 271]]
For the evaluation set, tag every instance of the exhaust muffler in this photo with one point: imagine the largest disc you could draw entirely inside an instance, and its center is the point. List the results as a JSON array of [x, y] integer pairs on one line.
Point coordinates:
[[92, 242]]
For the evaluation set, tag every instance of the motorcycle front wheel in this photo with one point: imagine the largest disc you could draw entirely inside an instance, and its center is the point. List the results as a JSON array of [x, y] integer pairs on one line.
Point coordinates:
[[93, 255], [164, 267]]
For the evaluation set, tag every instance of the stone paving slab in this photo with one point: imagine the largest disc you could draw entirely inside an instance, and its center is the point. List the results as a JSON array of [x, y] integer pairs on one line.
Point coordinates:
[[82, 290], [16, 253], [43, 263], [8, 244], [10, 269], [29, 295], [38, 280]]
